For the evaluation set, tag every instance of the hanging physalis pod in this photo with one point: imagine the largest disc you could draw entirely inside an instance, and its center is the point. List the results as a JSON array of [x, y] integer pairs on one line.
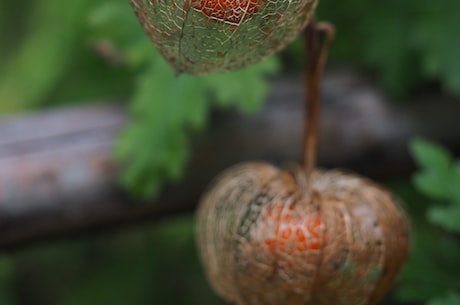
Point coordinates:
[[202, 36], [267, 239]]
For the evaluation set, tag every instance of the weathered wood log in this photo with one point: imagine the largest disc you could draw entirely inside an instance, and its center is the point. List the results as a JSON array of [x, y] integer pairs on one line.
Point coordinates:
[[57, 175]]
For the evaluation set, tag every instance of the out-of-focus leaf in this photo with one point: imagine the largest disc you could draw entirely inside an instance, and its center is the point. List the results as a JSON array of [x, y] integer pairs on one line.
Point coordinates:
[[44, 54], [166, 108], [154, 147], [432, 269], [446, 217], [109, 283], [406, 43], [113, 23], [430, 156], [436, 37], [435, 177], [6, 274], [455, 187], [245, 88], [389, 47], [144, 267], [453, 298], [439, 178], [113, 50]]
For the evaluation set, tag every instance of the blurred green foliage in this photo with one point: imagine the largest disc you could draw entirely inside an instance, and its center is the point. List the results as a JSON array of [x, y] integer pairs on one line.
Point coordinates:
[[440, 180], [407, 43], [166, 113], [452, 298], [78, 51], [433, 270], [46, 55], [156, 265]]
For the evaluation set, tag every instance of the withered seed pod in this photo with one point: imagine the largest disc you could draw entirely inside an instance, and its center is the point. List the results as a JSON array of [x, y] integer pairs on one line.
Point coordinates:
[[264, 241], [201, 36]]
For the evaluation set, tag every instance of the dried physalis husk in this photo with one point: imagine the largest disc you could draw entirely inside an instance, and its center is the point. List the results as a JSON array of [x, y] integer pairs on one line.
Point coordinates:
[[202, 36], [265, 240]]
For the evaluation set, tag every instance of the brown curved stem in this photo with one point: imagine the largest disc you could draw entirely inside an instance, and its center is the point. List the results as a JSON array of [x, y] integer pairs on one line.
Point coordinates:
[[318, 38]]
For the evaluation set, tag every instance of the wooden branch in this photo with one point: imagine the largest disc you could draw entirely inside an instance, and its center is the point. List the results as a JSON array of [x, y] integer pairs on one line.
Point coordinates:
[[57, 176]]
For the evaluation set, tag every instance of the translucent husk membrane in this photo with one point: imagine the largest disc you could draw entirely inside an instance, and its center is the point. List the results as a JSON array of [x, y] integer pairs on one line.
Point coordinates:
[[265, 241], [202, 36]]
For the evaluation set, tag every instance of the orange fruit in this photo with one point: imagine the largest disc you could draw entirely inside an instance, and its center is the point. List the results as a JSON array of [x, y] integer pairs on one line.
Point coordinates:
[[265, 239], [206, 36], [229, 11]]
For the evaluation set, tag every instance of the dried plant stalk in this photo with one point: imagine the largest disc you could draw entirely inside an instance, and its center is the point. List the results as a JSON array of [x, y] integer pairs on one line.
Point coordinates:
[[265, 241], [202, 36]]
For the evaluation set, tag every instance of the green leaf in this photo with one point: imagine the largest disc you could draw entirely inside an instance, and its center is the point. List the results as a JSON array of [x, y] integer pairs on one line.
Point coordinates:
[[404, 43], [430, 156], [112, 23], [118, 280], [438, 178], [246, 88], [434, 184], [434, 35], [435, 177], [47, 50], [165, 108], [453, 298], [455, 185], [397, 64], [154, 146], [446, 217], [433, 266]]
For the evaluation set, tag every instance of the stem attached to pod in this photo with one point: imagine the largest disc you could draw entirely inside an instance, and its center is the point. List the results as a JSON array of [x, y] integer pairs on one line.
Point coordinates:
[[318, 38]]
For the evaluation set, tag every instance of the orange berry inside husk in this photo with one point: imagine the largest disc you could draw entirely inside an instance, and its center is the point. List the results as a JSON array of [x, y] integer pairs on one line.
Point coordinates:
[[228, 11], [264, 239]]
